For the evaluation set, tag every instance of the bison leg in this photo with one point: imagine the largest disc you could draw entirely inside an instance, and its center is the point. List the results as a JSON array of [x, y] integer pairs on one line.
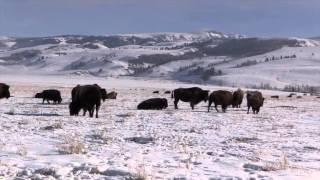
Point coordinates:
[[176, 103], [216, 107], [209, 105], [224, 108], [97, 111], [84, 111], [91, 111], [248, 109], [192, 105]]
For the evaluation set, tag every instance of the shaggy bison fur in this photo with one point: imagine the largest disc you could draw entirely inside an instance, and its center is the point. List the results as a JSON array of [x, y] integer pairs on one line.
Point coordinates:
[[220, 97], [255, 101], [237, 98]]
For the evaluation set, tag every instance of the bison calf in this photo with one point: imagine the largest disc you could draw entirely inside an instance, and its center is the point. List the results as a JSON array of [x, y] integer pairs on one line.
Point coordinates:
[[50, 95], [153, 103], [221, 97], [254, 101]]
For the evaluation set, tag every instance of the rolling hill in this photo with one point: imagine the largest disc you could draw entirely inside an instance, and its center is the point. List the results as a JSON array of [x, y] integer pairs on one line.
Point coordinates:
[[202, 57]]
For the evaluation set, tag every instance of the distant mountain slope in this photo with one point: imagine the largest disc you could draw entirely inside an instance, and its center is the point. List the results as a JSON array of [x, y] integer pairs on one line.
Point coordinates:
[[203, 57]]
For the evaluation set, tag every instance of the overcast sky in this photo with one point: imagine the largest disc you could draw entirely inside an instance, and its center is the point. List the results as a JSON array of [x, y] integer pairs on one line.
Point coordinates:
[[269, 18]]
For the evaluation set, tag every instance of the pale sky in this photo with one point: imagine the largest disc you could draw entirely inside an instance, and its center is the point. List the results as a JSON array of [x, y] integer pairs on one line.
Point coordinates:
[[268, 18]]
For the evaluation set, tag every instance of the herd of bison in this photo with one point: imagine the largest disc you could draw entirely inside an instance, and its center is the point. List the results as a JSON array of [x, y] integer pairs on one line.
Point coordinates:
[[89, 97]]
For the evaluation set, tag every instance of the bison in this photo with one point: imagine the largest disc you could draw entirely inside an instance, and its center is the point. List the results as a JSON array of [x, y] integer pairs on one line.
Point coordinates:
[[237, 98], [155, 92], [193, 95], [112, 95], [255, 101], [87, 97], [291, 94], [220, 97], [50, 95], [153, 103], [167, 92], [104, 94], [4, 91], [275, 97]]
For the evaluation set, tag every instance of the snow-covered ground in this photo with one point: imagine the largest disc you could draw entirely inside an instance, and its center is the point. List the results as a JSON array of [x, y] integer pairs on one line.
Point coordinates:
[[282, 142]]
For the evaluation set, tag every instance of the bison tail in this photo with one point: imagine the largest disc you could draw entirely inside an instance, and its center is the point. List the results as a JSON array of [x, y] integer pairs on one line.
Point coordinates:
[[172, 94]]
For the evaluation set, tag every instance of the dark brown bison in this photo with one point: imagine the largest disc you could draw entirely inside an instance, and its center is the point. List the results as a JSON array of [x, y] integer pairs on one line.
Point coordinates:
[[4, 91], [167, 92], [87, 97], [220, 97], [153, 103], [255, 101], [50, 95], [155, 92], [112, 95], [292, 94], [193, 95], [237, 98], [104, 94], [275, 97]]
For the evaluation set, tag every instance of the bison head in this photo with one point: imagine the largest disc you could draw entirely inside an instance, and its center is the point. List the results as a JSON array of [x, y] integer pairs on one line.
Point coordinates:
[[7, 94], [4, 91], [60, 100], [74, 109], [103, 94], [205, 95], [165, 102], [38, 95]]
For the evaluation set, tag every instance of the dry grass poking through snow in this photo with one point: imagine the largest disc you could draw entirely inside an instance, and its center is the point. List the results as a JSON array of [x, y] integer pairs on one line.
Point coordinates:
[[281, 164], [72, 145]]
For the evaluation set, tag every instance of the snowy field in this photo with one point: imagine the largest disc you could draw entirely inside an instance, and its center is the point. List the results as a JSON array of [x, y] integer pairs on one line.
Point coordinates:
[[43, 142]]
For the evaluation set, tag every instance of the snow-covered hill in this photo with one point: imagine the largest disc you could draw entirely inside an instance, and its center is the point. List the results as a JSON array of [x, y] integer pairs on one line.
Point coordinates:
[[201, 57]]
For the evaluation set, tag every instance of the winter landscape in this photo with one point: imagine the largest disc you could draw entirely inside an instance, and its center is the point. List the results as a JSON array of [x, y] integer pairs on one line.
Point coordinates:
[[41, 141], [272, 60]]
